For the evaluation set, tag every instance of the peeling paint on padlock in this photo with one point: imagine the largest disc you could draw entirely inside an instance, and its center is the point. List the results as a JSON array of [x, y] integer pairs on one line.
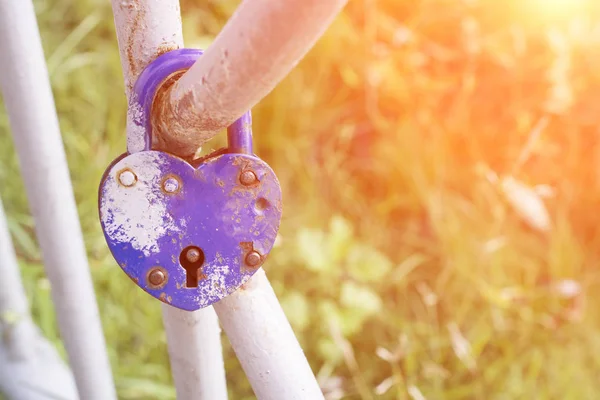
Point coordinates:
[[139, 204], [155, 207], [146, 226]]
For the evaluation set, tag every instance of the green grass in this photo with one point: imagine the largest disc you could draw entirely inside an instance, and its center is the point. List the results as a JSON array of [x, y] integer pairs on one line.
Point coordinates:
[[402, 264]]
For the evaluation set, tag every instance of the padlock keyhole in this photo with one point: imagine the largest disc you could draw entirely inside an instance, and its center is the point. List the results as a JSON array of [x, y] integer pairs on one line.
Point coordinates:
[[191, 259]]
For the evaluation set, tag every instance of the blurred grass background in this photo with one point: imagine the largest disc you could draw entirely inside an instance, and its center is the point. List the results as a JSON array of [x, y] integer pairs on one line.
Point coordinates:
[[440, 167]]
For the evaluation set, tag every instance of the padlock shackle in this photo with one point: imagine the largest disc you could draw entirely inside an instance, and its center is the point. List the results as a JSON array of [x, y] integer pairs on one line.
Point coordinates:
[[239, 134]]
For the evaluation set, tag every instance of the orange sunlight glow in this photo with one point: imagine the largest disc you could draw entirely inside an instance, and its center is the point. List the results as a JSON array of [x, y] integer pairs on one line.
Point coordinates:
[[559, 8]]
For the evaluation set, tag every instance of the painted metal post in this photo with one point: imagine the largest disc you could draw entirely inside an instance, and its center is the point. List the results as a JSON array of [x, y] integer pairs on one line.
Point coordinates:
[[194, 341], [30, 105], [146, 29], [265, 344], [24, 352]]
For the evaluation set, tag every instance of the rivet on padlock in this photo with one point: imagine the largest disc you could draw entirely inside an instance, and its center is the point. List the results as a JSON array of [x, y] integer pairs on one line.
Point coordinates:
[[188, 234]]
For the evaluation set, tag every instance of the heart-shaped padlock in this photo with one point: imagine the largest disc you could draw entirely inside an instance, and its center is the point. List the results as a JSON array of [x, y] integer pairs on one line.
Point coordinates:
[[188, 234]]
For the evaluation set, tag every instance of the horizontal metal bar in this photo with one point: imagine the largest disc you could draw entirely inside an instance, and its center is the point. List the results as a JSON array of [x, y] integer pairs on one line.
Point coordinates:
[[258, 47]]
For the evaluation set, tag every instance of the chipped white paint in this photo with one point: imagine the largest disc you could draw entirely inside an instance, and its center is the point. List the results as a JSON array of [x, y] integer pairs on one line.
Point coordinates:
[[138, 215], [256, 49], [265, 344], [213, 285], [136, 134], [28, 98], [137, 203], [146, 28], [24, 352]]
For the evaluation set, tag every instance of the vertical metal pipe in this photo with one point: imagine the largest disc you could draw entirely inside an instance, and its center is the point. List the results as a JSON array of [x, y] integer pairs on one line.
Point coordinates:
[[24, 352], [194, 341], [265, 344], [32, 115], [145, 30]]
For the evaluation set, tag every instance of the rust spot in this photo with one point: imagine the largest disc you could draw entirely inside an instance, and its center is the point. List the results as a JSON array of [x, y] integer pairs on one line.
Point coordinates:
[[247, 247], [248, 178], [180, 128], [244, 166], [244, 162], [122, 171], [157, 277], [261, 204], [137, 16], [169, 299], [165, 47], [128, 4], [201, 275], [137, 13], [220, 182], [163, 297], [161, 105]]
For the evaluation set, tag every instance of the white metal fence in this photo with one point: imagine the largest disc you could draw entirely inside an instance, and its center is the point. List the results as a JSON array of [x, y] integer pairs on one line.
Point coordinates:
[[260, 44]]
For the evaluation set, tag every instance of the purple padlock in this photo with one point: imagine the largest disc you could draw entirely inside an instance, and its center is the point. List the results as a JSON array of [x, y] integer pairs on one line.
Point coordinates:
[[188, 234]]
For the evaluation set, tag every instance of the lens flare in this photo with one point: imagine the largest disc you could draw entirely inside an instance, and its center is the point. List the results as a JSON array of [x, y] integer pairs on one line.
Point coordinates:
[[557, 8]]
